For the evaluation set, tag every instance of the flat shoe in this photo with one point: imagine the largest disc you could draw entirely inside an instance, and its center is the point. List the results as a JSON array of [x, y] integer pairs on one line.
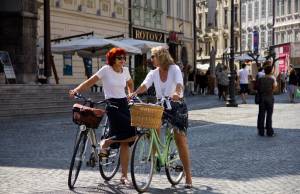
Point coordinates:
[[188, 186], [124, 181]]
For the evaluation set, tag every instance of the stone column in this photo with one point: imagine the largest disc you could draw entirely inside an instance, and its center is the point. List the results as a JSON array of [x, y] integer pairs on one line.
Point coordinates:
[[18, 21]]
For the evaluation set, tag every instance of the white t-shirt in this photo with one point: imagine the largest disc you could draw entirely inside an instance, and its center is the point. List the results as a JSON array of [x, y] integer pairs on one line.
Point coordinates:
[[168, 87], [244, 74], [114, 83]]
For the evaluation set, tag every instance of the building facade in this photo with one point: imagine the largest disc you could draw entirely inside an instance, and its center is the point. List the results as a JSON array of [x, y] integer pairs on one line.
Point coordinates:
[[179, 25], [218, 36], [287, 33], [18, 24], [287, 21], [256, 25], [72, 17]]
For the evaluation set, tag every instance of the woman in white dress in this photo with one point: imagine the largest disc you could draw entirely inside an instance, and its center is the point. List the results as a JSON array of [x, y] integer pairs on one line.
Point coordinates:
[[168, 82]]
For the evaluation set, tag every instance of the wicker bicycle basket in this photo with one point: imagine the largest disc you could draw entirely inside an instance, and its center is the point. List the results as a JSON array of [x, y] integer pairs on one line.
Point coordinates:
[[146, 116]]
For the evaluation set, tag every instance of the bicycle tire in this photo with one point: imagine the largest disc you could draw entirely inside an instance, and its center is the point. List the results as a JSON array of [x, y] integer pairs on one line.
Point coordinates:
[[142, 148], [79, 148], [106, 165], [173, 164]]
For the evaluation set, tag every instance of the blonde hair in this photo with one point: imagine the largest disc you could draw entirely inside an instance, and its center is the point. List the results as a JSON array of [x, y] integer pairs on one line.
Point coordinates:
[[163, 56]]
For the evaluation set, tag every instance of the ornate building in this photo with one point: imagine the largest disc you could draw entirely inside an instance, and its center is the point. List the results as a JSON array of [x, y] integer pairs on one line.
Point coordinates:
[[72, 17], [256, 25], [217, 37], [287, 33]]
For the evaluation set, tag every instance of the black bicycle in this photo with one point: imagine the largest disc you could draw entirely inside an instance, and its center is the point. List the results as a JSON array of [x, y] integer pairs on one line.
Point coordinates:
[[86, 145]]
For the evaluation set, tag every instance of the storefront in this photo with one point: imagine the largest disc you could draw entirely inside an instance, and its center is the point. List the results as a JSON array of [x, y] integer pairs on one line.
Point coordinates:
[[142, 63]]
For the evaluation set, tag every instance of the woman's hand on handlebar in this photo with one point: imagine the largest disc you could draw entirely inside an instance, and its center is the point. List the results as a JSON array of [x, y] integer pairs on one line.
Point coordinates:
[[72, 93], [131, 95]]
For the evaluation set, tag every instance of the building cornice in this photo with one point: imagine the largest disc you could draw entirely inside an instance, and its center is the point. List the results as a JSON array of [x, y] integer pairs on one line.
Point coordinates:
[[72, 13]]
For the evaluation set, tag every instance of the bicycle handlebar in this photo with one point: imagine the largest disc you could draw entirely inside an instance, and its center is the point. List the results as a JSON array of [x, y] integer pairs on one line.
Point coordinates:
[[89, 100]]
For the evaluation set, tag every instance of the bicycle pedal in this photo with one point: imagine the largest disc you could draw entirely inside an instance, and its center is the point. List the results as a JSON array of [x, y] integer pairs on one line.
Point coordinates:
[[178, 168]]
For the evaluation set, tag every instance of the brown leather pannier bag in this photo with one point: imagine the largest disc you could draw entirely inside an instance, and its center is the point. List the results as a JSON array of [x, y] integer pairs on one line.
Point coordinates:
[[84, 115]]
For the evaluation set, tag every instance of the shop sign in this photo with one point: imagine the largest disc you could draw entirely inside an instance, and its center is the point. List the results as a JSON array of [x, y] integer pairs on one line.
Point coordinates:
[[142, 34]]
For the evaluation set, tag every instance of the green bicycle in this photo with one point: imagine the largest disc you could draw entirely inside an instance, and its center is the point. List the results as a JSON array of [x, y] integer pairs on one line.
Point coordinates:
[[149, 153]]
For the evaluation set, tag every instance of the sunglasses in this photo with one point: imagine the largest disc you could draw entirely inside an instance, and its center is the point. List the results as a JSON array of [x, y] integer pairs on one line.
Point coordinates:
[[152, 56], [121, 58]]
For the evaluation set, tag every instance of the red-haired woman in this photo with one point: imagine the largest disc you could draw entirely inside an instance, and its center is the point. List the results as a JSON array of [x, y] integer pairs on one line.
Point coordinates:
[[115, 77]]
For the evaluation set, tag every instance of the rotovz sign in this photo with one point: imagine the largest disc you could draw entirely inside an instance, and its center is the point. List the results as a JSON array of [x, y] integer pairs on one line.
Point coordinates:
[[142, 34]]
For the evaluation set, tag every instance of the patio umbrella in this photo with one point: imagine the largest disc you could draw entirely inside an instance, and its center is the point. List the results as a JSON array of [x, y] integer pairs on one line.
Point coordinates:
[[91, 47], [144, 45], [246, 57]]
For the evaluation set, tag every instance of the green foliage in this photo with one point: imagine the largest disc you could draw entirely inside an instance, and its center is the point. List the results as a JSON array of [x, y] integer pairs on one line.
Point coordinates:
[[139, 76]]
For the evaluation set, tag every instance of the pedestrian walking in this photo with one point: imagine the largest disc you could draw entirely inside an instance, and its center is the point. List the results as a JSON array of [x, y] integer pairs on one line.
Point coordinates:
[[292, 84], [265, 88], [244, 75], [223, 83]]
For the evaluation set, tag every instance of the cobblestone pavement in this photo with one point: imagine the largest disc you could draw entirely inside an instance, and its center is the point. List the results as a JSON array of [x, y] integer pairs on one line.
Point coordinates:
[[227, 155]]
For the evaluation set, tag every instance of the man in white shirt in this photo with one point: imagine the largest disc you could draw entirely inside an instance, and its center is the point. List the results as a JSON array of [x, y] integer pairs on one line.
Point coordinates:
[[244, 82]]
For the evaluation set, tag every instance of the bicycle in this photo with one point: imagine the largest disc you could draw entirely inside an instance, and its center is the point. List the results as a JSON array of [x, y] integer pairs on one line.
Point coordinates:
[[86, 137], [150, 152]]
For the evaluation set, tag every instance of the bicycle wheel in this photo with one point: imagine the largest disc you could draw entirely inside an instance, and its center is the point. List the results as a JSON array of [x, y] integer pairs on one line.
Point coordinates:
[[141, 163], [174, 167], [77, 159], [108, 167]]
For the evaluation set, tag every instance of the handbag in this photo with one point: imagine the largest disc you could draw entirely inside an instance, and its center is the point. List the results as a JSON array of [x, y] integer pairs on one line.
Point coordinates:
[[257, 98], [84, 115]]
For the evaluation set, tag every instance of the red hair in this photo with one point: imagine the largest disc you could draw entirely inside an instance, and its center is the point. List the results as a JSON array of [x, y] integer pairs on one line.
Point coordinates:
[[112, 54]]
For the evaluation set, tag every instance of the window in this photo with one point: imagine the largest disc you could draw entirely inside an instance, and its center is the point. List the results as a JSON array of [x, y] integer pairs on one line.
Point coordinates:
[[119, 9], [90, 4], [250, 12], [236, 43], [169, 7], [262, 40], [225, 43], [282, 37], [243, 13], [216, 19], [207, 48], [277, 7], [206, 19], [225, 16], [256, 10], [289, 6], [105, 6], [67, 69], [187, 10], [270, 38], [249, 45], [243, 42], [179, 8], [200, 21], [68, 2], [296, 6], [263, 8], [136, 3], [282, 7], [158, 4], [236, 14], [148, 4], [270, 7]]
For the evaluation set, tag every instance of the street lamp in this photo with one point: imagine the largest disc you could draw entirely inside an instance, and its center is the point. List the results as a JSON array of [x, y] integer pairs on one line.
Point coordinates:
[[231, 101]]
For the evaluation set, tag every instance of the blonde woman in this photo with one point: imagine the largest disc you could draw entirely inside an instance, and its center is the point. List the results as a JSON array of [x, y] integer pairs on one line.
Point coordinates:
[[168, 82]]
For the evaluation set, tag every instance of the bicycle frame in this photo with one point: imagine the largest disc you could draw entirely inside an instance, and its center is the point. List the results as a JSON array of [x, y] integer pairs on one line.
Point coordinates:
[[161, 148]]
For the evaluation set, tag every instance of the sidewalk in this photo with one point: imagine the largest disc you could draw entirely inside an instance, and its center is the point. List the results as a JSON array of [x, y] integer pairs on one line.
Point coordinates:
[[210, 101]]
